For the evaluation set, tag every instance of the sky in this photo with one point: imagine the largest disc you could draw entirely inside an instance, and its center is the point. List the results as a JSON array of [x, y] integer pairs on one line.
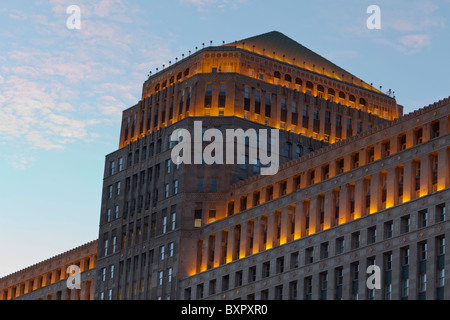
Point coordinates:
[[62, 90]]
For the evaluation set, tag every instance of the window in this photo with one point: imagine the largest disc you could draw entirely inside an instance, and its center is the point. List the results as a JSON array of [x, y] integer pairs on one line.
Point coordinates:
[[225, 282], [309, 255], [247, 99], [200, 184], [405, 224], [252, 274], [198, 218], [294, 260], [423, 253], [266, 269], [268, 105], [323, 279], [441, 212], [214, 184], [168, 166], [120, 164], [166, 190], [423, 218], [372, 235], [208, 95], [110, 192], [161, 253], [280, 265], [324, 248], [111, 167], [388, 229], [238, 279], [175, 187], [222, 95], [356, 239], [171, 248], [308, 288], [173, 217], [340, 245]]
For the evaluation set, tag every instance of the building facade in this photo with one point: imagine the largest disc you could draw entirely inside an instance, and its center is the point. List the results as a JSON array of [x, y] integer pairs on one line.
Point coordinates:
[[359, 185], [48, 279], [196, 231]]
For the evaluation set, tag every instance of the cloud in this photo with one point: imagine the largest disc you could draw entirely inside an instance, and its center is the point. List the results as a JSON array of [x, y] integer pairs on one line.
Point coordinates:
[[31, 110], [415, 42], [203, 5]]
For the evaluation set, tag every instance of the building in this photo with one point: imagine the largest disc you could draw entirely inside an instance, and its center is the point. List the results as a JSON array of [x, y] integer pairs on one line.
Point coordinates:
[[359, 184], [225, 231], [47, 280]]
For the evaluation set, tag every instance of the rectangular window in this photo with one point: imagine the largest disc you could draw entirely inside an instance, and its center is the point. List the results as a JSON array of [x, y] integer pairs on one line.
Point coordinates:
[[175, 187], [166, 190], [268, 105], [423, 218], [208, 95], [198, 218], [441, 212], [257, 101], [247, 99], [200, 184], [222, 95], [214, 184]]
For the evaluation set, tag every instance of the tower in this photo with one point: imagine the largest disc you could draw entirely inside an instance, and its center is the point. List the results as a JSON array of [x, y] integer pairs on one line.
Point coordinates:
[[154, 212]]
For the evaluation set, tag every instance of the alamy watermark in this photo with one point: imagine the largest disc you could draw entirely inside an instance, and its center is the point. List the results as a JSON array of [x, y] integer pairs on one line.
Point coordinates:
[[263, 149], [74, 280], [74, 20], [374, 21]]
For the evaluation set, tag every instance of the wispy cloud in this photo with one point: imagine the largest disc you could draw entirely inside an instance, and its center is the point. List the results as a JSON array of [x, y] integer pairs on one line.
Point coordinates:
[[62, 86]]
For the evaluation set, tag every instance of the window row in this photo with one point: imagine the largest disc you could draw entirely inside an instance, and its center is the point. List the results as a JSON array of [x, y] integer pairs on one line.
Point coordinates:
[[353, 278]]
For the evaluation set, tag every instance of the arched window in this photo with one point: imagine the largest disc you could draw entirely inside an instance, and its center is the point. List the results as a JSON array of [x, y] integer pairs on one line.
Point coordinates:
[[362, 101], [287, 78], [186, 72], [164, 84], [157, 87], [331, 92], [341, 95], [309, 85], [320, 88], [277, 75], [352, 98], [179, 75], [172, 80], [298, 81]]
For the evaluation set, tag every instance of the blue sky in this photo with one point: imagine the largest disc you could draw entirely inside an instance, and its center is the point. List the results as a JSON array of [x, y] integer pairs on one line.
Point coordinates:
[[62, 91]]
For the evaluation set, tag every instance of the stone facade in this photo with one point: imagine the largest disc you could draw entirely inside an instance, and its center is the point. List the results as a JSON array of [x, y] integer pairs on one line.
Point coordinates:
[[359, 185], [47, 280]]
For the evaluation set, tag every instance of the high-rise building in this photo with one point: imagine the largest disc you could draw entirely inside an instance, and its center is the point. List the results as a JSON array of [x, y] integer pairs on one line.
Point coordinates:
[[194, 231], [359, 186]]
